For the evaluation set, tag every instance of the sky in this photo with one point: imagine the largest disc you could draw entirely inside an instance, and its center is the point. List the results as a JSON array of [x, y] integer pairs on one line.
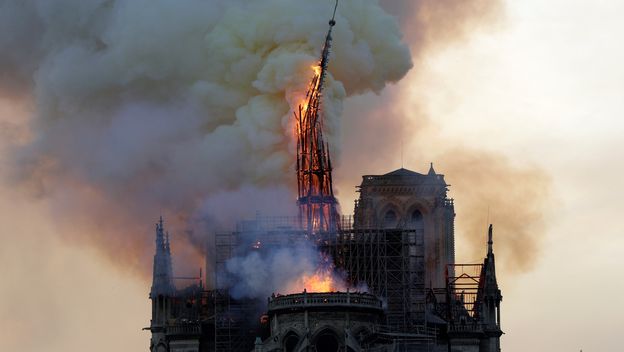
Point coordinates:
[[543, 87], [547, 87]]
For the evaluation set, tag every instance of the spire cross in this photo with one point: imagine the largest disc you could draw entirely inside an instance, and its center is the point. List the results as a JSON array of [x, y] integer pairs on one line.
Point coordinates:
[[332, 22]]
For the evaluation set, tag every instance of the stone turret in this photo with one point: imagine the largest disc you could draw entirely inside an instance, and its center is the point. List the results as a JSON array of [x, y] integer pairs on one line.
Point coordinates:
[[490, 298], [162, 279], [162, 289]]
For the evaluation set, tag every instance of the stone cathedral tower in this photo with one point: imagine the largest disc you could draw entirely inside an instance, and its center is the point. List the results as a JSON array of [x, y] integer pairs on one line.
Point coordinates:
[[405, 199]]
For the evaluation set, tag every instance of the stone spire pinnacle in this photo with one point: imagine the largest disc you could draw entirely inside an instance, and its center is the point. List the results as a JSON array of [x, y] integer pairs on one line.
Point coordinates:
[[489, 266], [431, 170], [490, 241], [162, 279]]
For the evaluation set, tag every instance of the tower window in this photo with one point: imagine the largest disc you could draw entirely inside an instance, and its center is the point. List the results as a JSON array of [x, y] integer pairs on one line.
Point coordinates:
[[390, 219], [417, 215], [417, 219]]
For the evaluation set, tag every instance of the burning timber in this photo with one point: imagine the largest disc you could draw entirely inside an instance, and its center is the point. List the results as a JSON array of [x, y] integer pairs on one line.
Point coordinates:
[[399, 243], [316, 201], [387, 279]]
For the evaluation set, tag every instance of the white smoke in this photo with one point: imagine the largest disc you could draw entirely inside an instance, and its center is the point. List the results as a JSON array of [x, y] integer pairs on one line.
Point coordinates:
[[259, 274], [157, 105], [283, 270]]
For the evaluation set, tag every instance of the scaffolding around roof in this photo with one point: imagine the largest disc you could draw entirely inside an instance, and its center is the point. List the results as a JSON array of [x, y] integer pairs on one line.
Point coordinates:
[[390, 262], [463, 286]]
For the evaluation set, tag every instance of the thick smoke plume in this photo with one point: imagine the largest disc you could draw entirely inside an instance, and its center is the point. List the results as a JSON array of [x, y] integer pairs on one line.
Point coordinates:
[[258, 275], [283, 270], [517, 195], [182, 108]]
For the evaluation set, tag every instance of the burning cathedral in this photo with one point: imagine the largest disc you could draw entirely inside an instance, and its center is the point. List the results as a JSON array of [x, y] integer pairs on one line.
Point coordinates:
[[402, 289]]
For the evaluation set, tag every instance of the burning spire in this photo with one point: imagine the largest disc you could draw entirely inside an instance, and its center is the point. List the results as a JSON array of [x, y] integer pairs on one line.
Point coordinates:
[[317, 204]]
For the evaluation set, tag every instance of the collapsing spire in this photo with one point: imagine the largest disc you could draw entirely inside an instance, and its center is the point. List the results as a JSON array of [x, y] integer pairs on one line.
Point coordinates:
[[162, 281], [316, 201]]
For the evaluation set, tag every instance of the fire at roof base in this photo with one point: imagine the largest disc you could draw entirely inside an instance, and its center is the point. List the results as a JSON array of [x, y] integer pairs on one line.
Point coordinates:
[[398, 247]]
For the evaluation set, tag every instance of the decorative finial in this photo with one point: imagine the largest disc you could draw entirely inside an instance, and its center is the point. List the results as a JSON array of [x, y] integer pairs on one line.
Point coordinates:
[[431, 170], [332, 22], [490, 241]]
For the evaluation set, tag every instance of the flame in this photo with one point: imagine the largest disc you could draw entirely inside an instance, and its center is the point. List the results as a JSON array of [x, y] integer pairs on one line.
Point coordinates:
[[316, 69], [323, 279], [313, 86]]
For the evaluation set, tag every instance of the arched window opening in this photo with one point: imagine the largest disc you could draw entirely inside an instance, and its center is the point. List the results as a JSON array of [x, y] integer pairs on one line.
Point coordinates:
[[417, 219], [390, 219], [290, 342], [327, 341]]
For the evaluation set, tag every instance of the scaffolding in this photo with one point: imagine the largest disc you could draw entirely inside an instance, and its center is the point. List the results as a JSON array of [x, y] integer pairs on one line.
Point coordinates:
[[234, 330], [231, 319], [463, 285], [390, 262]]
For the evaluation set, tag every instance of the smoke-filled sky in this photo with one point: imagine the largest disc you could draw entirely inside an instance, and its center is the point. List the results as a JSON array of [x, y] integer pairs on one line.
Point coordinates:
[[112, 112]]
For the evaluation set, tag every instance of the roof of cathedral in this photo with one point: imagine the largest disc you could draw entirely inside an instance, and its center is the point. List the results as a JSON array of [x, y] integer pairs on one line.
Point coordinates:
[[403, 176], [403, 172]]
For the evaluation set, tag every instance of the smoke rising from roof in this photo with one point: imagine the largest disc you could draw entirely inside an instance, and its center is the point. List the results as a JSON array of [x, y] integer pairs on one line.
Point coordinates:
[[517, 195], [149, 107]]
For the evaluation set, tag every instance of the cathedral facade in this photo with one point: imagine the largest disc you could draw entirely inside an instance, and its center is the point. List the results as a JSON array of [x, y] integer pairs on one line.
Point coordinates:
[[400, 242]]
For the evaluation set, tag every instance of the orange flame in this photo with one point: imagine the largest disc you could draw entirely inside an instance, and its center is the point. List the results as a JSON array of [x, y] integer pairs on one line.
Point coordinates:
[[324, 279], [313, 85], [316, 69]]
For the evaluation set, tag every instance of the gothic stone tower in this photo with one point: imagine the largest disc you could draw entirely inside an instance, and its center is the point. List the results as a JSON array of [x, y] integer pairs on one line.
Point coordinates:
[[162, 289], [405, 199]]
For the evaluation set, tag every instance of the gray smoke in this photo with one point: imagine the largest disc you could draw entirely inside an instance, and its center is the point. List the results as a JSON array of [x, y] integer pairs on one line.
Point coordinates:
[[259, 274], [145, 107]]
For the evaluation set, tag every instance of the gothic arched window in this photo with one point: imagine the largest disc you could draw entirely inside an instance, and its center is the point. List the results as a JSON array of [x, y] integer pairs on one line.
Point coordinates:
[[328, 341], [390, 219], [417, 219]]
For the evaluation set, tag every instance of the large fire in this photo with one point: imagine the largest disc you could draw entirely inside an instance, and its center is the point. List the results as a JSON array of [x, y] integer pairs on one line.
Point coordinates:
[[322, 280], [317, 205]]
